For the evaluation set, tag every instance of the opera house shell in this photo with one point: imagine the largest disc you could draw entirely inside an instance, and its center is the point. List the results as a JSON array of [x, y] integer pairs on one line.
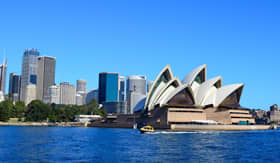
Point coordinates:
[[194, 99]]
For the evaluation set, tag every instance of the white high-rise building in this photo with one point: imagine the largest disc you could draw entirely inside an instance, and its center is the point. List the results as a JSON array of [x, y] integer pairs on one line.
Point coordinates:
[[81, 86], [3, 72], [135, 91], [80, 100], [67, 94], [30, 93], [81, 92], [121, 88], [53, 94]]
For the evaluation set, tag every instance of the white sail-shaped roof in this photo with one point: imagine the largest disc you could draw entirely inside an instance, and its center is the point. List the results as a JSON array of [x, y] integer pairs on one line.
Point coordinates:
[[169, 88], [226, 91], [191, 76], [162, 79], [206, 89], [175, 92], [194, 90]]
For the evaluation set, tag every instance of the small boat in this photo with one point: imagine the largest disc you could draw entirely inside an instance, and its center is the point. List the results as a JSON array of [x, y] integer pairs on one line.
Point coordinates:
[[146, 129]]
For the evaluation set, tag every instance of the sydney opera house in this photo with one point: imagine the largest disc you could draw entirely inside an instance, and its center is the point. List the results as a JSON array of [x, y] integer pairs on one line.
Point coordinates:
[[195, 99]]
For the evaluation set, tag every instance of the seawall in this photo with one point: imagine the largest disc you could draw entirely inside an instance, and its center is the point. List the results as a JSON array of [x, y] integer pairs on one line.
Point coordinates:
[[220, 127]]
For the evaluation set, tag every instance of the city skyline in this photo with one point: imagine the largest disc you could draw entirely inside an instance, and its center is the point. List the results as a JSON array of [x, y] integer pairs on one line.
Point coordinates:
[[238, 44]]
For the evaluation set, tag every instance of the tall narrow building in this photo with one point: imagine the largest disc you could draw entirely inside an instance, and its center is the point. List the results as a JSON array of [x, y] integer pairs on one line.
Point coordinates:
[[108, 87], [81, 92], [14, 86], [67, 94], [81, 86], [45, 76], [29, 70], [135, 91], [3, 72], [122, 88], [53, 95], [30, 93]]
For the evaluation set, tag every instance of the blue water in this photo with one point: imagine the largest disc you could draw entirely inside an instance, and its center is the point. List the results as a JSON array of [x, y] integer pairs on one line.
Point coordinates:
[[54, 144]]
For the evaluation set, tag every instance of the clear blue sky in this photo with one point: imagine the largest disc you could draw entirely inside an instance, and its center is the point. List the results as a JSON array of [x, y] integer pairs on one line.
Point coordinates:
[[237, 39]]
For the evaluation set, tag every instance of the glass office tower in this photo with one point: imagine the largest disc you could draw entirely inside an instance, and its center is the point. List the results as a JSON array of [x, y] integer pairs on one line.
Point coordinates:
[[14, 86], [108, 87], [29, 69]]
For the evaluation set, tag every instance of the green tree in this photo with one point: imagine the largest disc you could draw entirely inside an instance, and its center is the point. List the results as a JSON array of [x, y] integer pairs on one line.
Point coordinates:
[[19, 109], [92, 106], [4, 112], [8, 104], [37, 111]]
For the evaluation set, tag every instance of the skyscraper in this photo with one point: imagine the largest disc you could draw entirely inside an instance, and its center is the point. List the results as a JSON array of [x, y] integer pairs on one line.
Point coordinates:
[[81, 86], [108, 90], [29, 69], [3, 71], [30, 93], [81, 92], [67, 93], [122, 88], [45, 76], [53, 94], [135, 91], [80, 99], [14, 86]]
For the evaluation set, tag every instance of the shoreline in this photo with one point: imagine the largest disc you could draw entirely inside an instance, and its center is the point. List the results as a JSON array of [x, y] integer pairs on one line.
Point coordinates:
[[43, 124], [172, 127]]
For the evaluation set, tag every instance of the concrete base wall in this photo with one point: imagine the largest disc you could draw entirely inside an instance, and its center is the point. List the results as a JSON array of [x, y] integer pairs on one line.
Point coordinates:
[[228, 116], [219, 127], [222, 117], [184, 115]]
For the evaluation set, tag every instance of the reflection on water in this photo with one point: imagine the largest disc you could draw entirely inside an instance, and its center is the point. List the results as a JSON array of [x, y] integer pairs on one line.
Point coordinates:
[[53, 144]]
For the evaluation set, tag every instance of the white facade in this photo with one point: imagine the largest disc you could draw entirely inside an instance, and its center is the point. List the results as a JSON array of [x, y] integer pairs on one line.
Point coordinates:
[[135, 91], [162, 79], [3, 73], [86, 118], [79, 99], [67, 94], [2, 97], [53, 94], [133, 99], [30, 94], [81, 86]]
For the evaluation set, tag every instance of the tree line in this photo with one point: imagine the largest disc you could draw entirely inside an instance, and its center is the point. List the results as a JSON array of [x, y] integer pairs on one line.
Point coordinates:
[[37, 111]]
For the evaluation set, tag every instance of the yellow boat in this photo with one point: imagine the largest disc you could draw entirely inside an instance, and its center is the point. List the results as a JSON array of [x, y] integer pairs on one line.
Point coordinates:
[[146, 129]]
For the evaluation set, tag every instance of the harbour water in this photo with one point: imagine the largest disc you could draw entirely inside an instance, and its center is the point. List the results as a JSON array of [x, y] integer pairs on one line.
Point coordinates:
[[57, 144]]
